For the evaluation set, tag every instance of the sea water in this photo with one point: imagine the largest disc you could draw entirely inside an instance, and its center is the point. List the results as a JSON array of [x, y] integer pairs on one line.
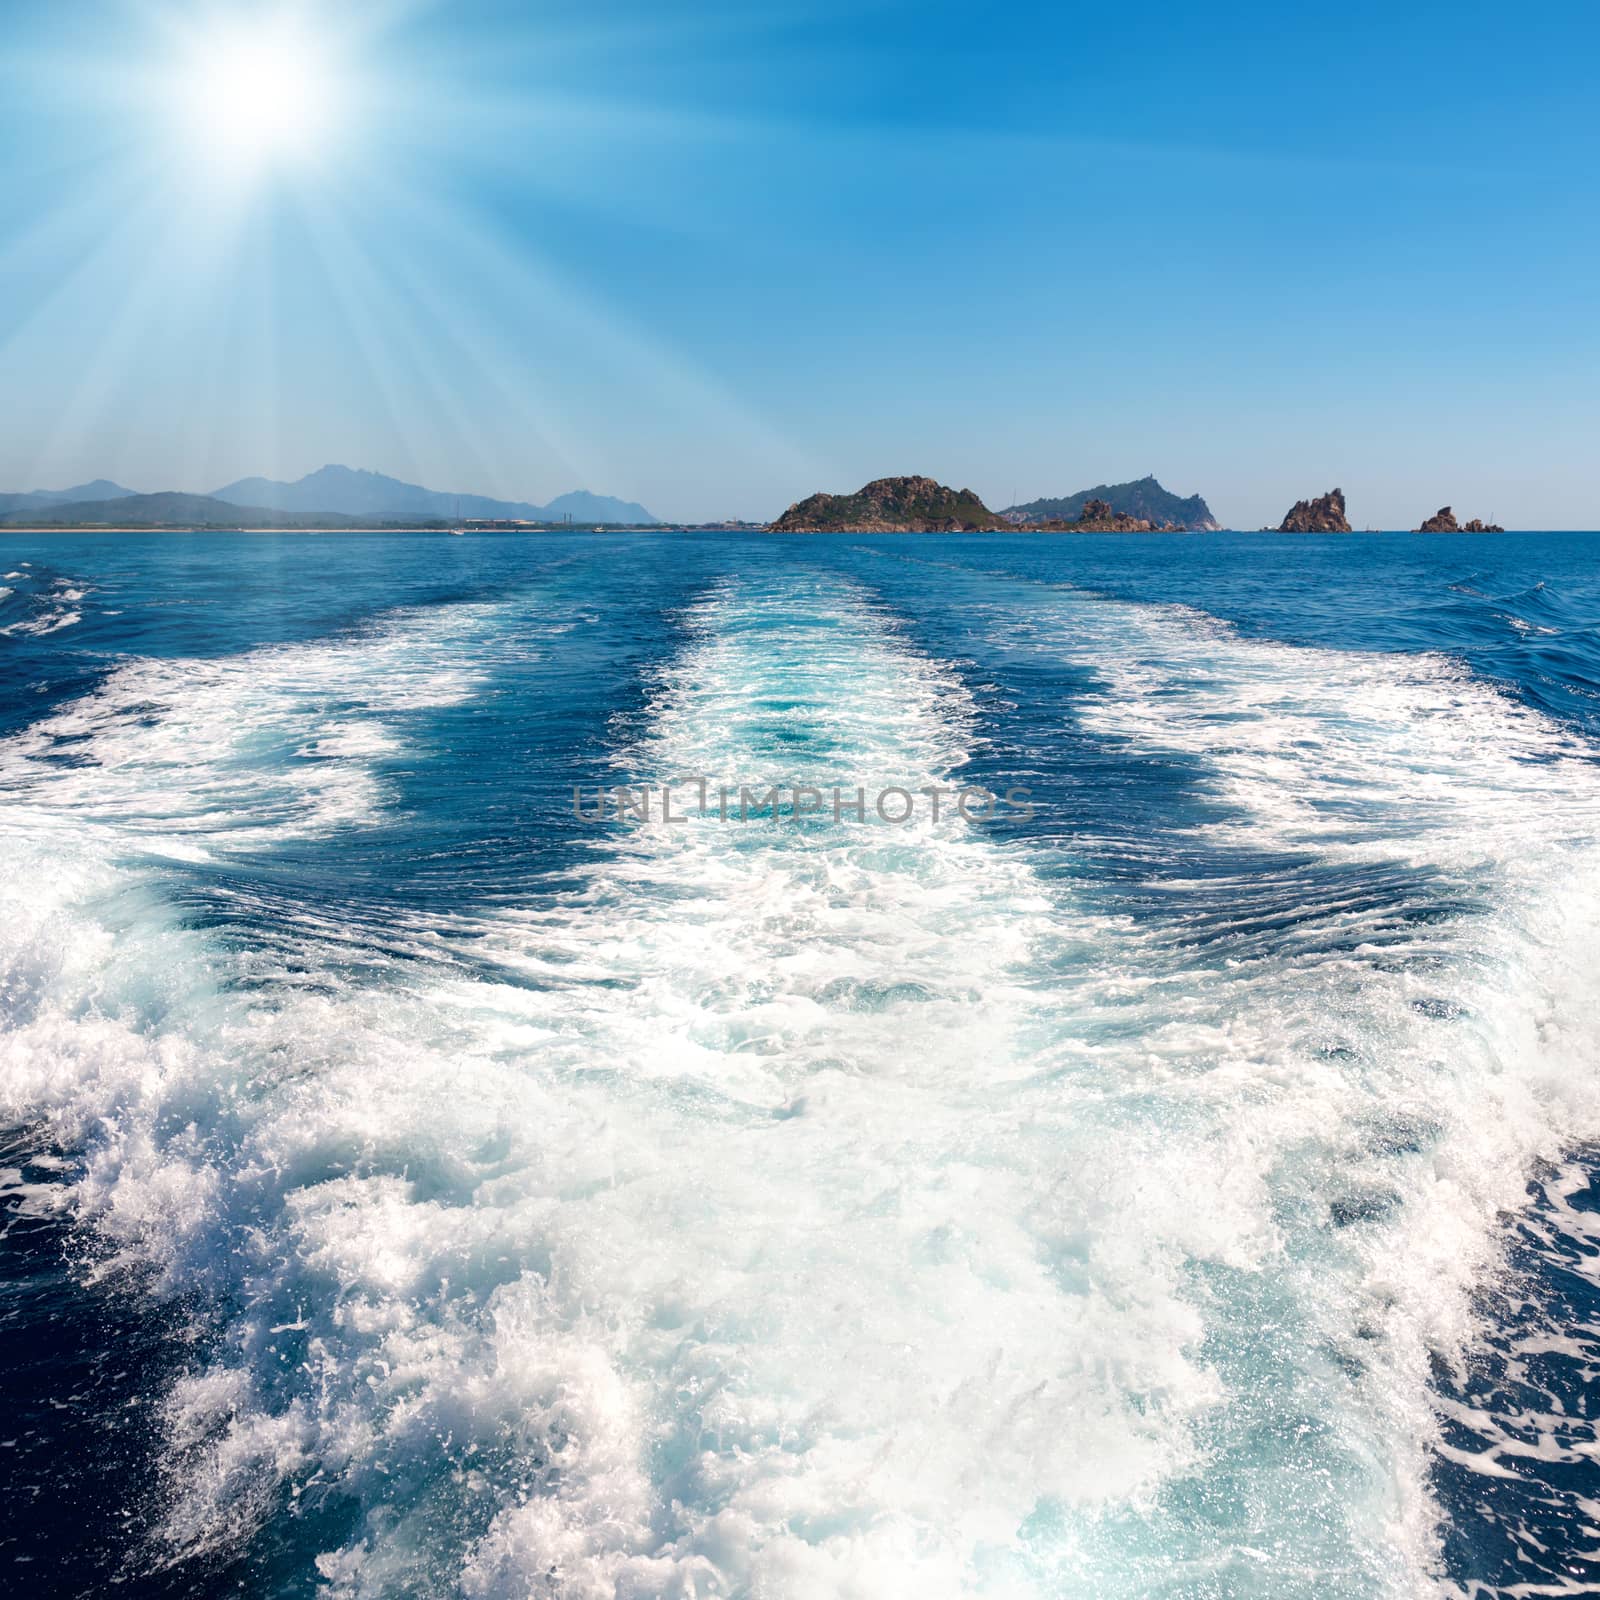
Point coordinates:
[[419, 1183]]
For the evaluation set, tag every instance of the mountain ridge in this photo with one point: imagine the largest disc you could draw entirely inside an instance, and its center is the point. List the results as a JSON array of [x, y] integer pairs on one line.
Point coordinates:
[[357, 492], [171, 508], [79, 494]]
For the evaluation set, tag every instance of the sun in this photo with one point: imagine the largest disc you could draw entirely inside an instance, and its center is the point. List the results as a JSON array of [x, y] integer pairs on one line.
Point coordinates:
[[258, 96]]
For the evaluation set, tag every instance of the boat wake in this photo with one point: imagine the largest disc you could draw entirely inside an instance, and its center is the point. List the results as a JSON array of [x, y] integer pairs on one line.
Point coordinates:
[[802, 1206]]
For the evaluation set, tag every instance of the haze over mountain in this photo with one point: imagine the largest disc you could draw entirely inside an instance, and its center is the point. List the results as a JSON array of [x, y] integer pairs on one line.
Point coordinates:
[[1143, 498], [582, 506], [83, 493], [357, 493], [173, 510]]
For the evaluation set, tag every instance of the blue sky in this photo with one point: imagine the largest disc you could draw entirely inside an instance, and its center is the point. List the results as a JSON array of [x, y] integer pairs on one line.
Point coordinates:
[[714, 257]]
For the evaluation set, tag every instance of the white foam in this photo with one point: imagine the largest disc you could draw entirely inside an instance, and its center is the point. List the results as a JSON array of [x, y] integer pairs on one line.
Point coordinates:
[[47, 622], [242, 751], [1475, 1030]]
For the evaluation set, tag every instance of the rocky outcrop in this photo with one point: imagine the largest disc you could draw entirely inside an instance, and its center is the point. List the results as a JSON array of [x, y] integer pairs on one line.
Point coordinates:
[[1098, 517], [891, 505], [1318, 516], [1443, 521]]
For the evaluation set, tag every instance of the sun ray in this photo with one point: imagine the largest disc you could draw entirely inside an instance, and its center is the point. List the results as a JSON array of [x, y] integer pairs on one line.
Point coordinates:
[[571, 320], [235, 136], [365, 290]]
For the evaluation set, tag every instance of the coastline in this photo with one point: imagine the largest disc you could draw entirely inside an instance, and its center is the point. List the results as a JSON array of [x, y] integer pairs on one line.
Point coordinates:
[[806, 533]]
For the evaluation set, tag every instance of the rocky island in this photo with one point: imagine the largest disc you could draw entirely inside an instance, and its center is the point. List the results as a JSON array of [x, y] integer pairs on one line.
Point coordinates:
[[1144, 504], [1444, 521], [1318, 516], [891, 505], [920, 505]]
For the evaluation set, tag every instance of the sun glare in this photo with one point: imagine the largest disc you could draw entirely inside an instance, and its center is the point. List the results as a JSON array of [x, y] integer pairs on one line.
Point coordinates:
[[257, 97]]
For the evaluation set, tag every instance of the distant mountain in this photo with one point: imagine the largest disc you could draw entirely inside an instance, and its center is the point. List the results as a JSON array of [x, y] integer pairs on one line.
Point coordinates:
[[366, 494], [355, 493], [181, 510], [582, 506], [891, 505], [1144, 499], [100, 489]]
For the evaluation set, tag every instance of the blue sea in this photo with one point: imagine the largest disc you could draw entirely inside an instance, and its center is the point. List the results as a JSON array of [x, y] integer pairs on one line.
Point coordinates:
[[1176, 1180]]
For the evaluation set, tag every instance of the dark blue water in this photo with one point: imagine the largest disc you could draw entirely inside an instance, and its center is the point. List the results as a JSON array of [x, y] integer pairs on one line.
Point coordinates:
[[1176, 1186]]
